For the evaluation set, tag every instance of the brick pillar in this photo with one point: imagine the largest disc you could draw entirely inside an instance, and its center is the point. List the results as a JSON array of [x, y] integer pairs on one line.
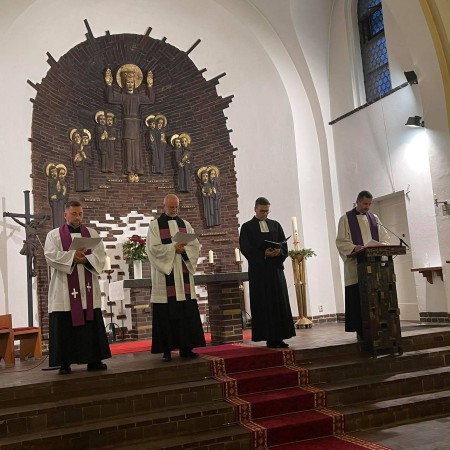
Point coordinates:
[[225, 317]]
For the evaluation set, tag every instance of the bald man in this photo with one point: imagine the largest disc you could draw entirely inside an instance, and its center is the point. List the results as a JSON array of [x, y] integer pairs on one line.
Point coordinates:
[[176, 320]]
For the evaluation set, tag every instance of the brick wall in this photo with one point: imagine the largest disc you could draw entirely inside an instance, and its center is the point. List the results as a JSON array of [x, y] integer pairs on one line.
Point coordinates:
[[68, 97]]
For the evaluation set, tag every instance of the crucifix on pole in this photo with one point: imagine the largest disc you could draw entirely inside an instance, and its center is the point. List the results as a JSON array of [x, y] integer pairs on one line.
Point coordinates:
[[31, 224]]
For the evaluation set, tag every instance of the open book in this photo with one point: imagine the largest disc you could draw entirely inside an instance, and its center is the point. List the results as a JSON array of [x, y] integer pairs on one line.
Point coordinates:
[[271, 244]]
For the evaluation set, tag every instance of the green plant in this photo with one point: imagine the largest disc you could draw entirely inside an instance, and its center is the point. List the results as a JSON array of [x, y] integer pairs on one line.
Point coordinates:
[[135, 249], [303, 253]]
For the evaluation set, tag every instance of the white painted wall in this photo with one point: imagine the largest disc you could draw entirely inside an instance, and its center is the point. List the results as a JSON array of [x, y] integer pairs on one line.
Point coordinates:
[[292, 66]]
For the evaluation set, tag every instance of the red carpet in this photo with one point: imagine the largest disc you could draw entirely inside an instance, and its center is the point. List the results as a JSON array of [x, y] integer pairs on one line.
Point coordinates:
[[123, 347], [274, 402]]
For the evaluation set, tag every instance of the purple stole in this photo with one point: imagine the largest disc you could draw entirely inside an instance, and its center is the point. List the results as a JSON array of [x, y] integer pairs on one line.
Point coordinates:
[[355, 231], [73, 282]]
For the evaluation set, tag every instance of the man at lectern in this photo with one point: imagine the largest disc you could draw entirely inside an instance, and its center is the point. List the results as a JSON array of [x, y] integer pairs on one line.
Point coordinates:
[[356, 229]]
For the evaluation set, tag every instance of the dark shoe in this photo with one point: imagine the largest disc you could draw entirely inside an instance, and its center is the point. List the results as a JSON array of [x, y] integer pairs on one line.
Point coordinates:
[[167, 357], [97, 365], [282, 344], [65, 370], [188, 354], [271, 344]]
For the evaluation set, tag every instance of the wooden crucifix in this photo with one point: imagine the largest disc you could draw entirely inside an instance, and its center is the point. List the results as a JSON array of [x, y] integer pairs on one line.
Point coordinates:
[[31, 224]]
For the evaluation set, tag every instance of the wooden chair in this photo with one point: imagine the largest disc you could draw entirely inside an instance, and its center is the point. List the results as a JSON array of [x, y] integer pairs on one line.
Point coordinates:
[[6, 339]]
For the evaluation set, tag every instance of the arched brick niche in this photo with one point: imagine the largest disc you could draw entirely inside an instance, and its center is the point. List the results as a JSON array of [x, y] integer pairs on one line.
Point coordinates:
[[74, 89]]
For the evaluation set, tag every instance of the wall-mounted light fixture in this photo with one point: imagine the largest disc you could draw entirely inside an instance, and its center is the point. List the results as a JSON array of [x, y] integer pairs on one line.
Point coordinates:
[[445, 206], [415, 121], [411, 77]]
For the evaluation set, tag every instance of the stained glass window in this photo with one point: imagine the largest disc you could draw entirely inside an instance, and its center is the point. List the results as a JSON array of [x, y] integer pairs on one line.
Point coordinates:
[[377, 77]]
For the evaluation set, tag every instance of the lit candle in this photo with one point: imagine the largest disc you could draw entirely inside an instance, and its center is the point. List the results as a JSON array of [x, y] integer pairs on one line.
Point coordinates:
[[211, 257], [295, 233], [107, 263], [237, 254]]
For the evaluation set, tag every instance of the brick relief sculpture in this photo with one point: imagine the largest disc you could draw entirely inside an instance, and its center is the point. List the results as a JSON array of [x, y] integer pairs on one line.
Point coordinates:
[[91, 84]]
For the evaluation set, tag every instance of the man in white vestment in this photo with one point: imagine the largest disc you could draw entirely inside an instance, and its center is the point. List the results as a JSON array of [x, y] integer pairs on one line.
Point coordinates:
[[357, 228], [176, 320], [77, 333]]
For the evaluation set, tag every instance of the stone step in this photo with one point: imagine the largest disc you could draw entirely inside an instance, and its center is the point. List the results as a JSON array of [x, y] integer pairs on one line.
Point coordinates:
[[70, 411], [84, 383], [172, 422], [386, 413], [344, 368], [227, 437], [382, 387]]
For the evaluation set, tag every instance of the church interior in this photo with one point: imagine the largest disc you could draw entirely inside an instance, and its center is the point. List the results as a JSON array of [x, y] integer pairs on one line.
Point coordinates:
[[303, 102]]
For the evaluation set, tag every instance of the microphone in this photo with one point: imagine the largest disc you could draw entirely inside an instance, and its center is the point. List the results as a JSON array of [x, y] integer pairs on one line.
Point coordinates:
[[402, 242]]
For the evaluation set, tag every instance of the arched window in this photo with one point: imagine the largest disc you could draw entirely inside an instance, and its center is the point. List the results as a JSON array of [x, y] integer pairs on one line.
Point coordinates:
[[377, 77]]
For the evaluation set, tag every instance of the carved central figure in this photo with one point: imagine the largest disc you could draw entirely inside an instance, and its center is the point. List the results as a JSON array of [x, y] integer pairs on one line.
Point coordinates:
[[129, 78]]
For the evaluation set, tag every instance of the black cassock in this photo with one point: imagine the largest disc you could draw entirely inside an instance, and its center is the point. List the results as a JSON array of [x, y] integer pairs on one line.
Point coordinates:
[[269, 301]]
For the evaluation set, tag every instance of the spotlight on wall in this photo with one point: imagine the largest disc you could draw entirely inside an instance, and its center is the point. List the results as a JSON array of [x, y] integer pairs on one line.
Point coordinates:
[[415, 121], [411, 77]]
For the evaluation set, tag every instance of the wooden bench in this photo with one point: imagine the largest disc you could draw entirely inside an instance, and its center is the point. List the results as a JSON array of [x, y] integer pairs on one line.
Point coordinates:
[[6, 339], [30, 341]]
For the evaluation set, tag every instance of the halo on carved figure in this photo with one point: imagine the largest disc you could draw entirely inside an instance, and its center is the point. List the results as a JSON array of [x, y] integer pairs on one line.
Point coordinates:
[[98, 114], [172, 139], [161, 116], [147, 119], [61, 166], [138, 77], [209, 168], [48, 167], [72, 131], [110, 114], [185, 135], [202, 170], [87, 132]]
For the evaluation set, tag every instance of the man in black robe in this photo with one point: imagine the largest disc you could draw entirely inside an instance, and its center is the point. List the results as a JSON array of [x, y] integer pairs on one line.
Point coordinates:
[[269, 301]]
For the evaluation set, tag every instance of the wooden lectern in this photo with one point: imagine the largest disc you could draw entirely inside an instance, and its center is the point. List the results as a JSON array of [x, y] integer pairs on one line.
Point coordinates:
[[379, 306]]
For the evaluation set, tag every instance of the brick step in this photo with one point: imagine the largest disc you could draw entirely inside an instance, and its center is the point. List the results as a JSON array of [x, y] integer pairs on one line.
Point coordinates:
[[367, 415], [337, 369], [72, 410], [231, 436], [382, 387], [194, 418], [82, 383]]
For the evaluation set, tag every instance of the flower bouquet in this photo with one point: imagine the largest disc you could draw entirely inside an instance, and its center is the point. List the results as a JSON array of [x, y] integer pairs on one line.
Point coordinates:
[[135, 249]]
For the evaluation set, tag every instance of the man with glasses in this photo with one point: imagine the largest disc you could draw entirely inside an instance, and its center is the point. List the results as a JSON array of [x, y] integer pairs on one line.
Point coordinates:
[[269, 300]]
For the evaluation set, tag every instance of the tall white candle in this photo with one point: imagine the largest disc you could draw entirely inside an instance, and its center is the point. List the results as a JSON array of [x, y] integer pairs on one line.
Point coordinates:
[[211, 257], [107, 263], [295, 233], [237, 254]]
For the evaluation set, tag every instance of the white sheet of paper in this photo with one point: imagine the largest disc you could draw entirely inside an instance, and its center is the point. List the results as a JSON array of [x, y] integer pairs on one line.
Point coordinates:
[[184, 238], [84, 242]]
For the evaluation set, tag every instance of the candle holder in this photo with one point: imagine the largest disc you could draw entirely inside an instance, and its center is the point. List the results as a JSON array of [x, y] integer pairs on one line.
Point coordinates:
[[241, 298], [211, 266], [112, 325]]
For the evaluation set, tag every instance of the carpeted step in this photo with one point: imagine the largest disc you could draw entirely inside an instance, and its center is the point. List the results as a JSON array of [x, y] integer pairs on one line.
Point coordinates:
[[363, 416], [278, 402], [266, 379], [299, 426], [244, 358], [344, 442]]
